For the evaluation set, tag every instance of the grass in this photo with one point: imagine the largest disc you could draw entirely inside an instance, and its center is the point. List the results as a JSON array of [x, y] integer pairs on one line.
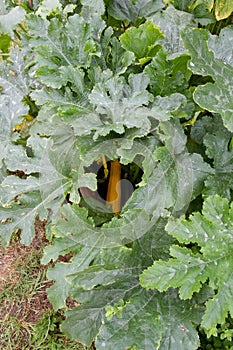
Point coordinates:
[[27, 320]]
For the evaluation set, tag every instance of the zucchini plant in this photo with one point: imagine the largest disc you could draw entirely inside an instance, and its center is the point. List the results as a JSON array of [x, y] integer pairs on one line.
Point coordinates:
[[116, 128]]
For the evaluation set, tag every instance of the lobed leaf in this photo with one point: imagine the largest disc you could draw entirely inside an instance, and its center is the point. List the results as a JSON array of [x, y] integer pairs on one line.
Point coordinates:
[[37, 184], [111, 309], [212, 262], [216, 138], [130, 10], [142, 41], [144, 320], [166, 75], [9, 21], [217, 96], [113, 79], [177, 20]]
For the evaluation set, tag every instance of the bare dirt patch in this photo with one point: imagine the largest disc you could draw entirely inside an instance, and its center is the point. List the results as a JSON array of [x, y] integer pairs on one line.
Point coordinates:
[[27, 319], [23, 297]]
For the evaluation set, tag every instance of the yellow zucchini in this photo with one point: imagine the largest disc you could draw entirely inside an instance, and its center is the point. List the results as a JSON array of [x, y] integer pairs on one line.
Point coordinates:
[[114, 187]]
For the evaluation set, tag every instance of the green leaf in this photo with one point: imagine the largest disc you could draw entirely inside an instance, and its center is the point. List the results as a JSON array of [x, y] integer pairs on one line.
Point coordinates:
[[215, 97], [202, 11], [171, 179], [207, 125], [114, 100], [56, 78], [57, 98], [211, 263], [14, 81], [48, 6], [52, 36], [97, 5], [222, 44], [8, 119], [223, 9], [177, 272], [130, 10], [5, 41], [116, 78], [183, 5], [149, 320], [60, 290], [177, 20], [217, 148], [211, 133], [21, 215], [112, 303], [166, 75], [121, 59], [200, 172], [48, 158], [9, 21], [208, 3], [165, 187], [83, 322], [170, 103], [142, 41], [95, 300], [14, 86]]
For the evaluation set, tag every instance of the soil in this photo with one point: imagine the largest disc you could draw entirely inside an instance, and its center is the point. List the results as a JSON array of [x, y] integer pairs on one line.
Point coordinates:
[[23, 294], [11, 259]]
